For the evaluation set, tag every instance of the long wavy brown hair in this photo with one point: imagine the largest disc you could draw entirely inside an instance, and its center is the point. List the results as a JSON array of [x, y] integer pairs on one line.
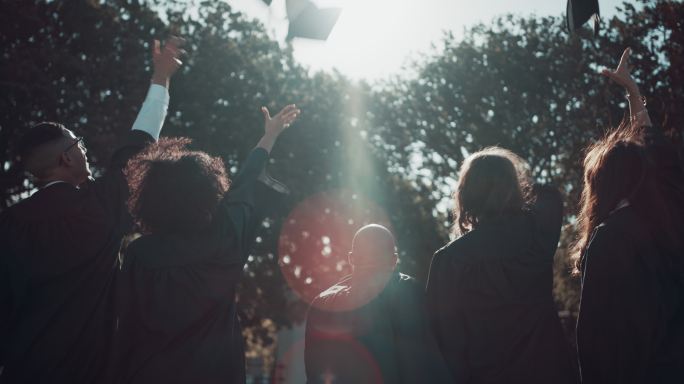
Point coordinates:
[[492, 182], [174, 189], [617, 168]]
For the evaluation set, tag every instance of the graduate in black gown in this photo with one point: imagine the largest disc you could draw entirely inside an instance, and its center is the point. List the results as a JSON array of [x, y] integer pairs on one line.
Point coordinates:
[[631, 320], [60, 245], [490, 290], [372, 326], [176, 291]]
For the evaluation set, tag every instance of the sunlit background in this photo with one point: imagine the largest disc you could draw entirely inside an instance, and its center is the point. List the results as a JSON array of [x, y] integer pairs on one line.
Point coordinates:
[[373, 39]]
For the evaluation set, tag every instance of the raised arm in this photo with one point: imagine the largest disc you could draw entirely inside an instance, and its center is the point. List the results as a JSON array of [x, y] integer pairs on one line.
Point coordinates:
[[638, 114], [253, 193], [669, 165], [112, 187], [166, 62], [274, 126]]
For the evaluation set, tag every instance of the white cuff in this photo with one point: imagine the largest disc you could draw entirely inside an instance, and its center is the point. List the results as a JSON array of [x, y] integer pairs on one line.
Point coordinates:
[[153, 112]]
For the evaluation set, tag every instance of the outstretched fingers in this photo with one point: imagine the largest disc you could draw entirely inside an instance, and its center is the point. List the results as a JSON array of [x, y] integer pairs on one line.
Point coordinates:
[[289, 114], [288, 109]]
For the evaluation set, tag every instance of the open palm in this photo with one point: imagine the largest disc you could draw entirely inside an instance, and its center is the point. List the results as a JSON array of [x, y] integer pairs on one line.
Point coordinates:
[[276, 124], [622, 74]]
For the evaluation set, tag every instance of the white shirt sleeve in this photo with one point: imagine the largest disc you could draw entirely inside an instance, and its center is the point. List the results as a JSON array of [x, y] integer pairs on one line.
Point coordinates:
[[153, 112]]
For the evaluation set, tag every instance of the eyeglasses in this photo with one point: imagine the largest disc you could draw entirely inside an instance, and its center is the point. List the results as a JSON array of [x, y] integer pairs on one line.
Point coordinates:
[[79, 142]]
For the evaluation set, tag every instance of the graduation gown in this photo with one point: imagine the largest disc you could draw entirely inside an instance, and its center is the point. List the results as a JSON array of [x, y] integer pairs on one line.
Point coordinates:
[[490, 300], [58, 261], [176, 294], [386, 340], [630, 327]]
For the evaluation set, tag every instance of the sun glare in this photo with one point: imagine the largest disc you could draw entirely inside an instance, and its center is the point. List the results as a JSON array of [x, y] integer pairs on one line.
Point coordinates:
[[365, 40]]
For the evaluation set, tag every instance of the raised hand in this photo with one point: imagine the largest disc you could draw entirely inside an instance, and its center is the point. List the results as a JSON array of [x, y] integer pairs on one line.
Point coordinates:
[[638, 115], [278, 123], [274, 126], [166, 60], [622, 74]]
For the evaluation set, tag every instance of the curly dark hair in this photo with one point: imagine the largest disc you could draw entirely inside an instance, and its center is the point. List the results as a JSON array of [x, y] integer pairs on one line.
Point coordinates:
[[492, 182], [174, 189]]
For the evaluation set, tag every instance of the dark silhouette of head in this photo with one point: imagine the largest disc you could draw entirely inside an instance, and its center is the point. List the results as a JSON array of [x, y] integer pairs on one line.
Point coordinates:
[[49, 152], [617, 169], [492, 182], [373, 248], [173, 189]]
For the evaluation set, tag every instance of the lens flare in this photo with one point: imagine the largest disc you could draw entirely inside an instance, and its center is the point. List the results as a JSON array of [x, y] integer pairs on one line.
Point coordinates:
[[316, 237]]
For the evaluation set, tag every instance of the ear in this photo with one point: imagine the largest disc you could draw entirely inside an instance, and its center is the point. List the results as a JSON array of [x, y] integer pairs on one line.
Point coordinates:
[[66, 159], [350, 258], [396, 259]]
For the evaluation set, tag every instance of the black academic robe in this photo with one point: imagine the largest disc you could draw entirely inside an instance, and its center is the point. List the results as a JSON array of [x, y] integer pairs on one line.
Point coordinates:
[[59, 250], [386, 340], [490, 300], [176, 293], [631, 320]]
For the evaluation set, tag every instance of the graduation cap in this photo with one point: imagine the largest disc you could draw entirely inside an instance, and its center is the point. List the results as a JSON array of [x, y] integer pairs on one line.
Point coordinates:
[[310, 22], [580, 11]]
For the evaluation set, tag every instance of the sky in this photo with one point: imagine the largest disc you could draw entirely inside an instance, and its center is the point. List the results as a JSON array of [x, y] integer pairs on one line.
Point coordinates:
[[373, 39]]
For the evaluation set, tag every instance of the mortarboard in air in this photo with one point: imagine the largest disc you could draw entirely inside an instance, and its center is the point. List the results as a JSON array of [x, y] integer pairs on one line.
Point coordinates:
[[307, 21], [580, 11]]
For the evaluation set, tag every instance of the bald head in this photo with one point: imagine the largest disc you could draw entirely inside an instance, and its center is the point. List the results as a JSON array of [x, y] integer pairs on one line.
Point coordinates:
[[373, 246]]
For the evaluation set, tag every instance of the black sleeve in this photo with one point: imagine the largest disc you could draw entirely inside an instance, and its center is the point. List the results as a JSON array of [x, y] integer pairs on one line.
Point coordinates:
[[548, 214], [616, 324], [448, 328], [111, 188], [252, 196]]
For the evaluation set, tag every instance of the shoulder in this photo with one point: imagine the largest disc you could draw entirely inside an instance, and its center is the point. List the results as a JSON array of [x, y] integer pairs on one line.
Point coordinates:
[[6, 215], [340, 288], [614, 240], [27, 209], [548, 202], [546, 193], [332, 299], [335, 290], [623, 222], [459, 246]]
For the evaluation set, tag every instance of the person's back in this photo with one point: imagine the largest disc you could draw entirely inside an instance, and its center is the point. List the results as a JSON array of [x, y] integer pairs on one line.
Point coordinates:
[[371, 327], [176, 307], [630, 253], [495, 312], [490, 290], [176, 292], [59, 250], [631, 323], [62, 246]]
